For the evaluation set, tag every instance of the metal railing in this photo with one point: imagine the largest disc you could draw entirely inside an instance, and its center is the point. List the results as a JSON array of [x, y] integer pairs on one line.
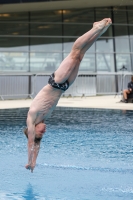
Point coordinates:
[[27, 85], [91, 84], [16, 85]]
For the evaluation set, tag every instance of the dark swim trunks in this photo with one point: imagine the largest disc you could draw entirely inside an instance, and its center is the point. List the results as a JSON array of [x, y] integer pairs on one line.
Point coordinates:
[[62, 86]]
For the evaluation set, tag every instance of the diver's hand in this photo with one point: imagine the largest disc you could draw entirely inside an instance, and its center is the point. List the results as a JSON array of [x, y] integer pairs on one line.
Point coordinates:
[[30, 167]]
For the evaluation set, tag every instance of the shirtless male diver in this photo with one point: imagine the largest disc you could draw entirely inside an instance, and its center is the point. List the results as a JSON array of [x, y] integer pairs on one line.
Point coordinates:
[[46, 100]]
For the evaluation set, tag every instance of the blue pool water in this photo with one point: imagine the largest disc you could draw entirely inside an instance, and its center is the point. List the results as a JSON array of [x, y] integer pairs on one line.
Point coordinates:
[[85, 155]]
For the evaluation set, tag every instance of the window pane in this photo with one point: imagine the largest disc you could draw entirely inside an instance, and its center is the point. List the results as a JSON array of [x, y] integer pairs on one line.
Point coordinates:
[[130, 21], [105, 62], [46, 29], [123, 60], [88, 63], [102, 13], [130, 8], [120, 30], [14, 61], [120, 15], [14, 44], [68, 43], [79, 15], [46, 44], [76, 30], [46, 16], [131, 61], [122, 45], [21, 16], [41, 22], [45, 62], [131, 44], [104, 45], [12, 28], [131, 30]]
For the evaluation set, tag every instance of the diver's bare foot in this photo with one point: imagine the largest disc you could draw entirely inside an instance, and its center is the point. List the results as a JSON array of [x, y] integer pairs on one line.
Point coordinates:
[[103, 25]]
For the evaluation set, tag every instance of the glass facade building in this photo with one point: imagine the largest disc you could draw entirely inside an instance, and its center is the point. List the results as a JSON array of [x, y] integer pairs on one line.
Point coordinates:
[[38, 41]]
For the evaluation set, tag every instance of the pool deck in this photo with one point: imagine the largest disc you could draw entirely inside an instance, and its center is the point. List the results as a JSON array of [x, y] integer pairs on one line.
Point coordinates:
[[102, 102]]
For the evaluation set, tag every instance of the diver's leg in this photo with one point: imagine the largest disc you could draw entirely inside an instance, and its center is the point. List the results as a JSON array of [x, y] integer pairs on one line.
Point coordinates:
[[125, 93], [67, 69]]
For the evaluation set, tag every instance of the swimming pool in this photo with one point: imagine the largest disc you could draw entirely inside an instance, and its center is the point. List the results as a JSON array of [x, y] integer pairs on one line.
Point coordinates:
[[85, 155]]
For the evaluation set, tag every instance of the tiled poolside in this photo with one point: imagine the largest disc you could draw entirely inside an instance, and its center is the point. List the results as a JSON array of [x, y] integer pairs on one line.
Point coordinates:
[[107, 102]]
